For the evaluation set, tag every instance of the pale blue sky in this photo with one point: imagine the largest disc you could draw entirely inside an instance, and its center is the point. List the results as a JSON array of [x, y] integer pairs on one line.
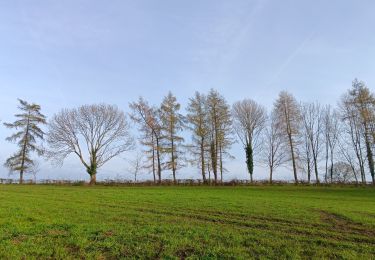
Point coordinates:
[[72, 52]]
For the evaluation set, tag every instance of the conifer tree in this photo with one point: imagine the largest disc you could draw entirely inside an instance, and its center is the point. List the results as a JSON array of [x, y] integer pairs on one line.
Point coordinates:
[[288, 115], [362, 100], [27, 134], [220, 131], [172, 124], [148, 120], [197, 118]]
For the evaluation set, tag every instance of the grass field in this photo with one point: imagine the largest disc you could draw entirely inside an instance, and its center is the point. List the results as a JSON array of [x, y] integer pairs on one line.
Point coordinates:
[[182, 222]]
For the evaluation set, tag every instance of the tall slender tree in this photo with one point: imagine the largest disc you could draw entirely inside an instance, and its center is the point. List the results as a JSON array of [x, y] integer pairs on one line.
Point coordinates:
[[136, 165], [312, 118], [287, 112], [363, 101], [148, 119], [273, 155], [197, 119], [331, 130], [28, 133], [306, 162], [220, 131], [354, 132], [347, 155], [249, 119], [172, 124]]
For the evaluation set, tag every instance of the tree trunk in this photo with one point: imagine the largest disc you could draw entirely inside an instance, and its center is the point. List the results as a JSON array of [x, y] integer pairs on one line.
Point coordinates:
[[153, 158], [370, 159], [21, 176], [215, 145], [361, 167], [214, 161], [271, 172], [363, 175], [221, 164], [308, 170], [158, 158], [209, 173], [249, 160], [93, 179], [173, 162], [92, 169], [24, 149], [316, 173], [202, 161], [354, 173], [326, 173], [293, 159], [316, 168], [331, 170]]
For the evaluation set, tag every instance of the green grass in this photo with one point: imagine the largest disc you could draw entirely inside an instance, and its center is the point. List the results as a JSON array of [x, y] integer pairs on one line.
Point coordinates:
[[284, 222]]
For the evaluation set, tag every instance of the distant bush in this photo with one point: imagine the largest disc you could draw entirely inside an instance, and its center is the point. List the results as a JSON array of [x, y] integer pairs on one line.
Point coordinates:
[[181, 182]]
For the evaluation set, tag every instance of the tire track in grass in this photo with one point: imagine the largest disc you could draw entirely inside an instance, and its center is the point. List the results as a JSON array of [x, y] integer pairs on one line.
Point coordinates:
[[357, 233]]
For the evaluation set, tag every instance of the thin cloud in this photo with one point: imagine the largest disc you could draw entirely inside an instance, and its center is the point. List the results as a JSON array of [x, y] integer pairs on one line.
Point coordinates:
[[291, 57]]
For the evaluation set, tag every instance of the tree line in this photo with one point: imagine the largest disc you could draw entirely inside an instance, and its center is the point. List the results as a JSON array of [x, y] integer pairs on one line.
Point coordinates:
[[326, 143]]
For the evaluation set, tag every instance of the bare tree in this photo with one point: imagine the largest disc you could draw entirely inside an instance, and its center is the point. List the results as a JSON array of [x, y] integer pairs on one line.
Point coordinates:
[[342, 172], [331, 130], [306, 162], [136, 165], [34, 170], [148, 119], [363, 101], [312, 118], [172, 125], [287, 112], [100, 130], [354, 132], [249, 119], [27, 135], [197, 118], [273, 155], [346, 154]]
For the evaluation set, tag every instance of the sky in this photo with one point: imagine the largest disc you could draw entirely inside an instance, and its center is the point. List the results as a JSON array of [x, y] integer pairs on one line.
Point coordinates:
[[63, 54]]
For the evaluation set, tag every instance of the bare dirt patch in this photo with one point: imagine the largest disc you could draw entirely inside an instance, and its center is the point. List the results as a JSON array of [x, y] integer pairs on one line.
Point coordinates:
[[19, 239], [343, 224]]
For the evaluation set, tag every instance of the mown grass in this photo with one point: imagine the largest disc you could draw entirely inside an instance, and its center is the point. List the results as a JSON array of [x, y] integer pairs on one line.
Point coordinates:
[[284, 222]]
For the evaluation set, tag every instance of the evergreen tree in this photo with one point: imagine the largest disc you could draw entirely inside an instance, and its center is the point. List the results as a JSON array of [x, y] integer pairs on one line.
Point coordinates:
[[27, 135]]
